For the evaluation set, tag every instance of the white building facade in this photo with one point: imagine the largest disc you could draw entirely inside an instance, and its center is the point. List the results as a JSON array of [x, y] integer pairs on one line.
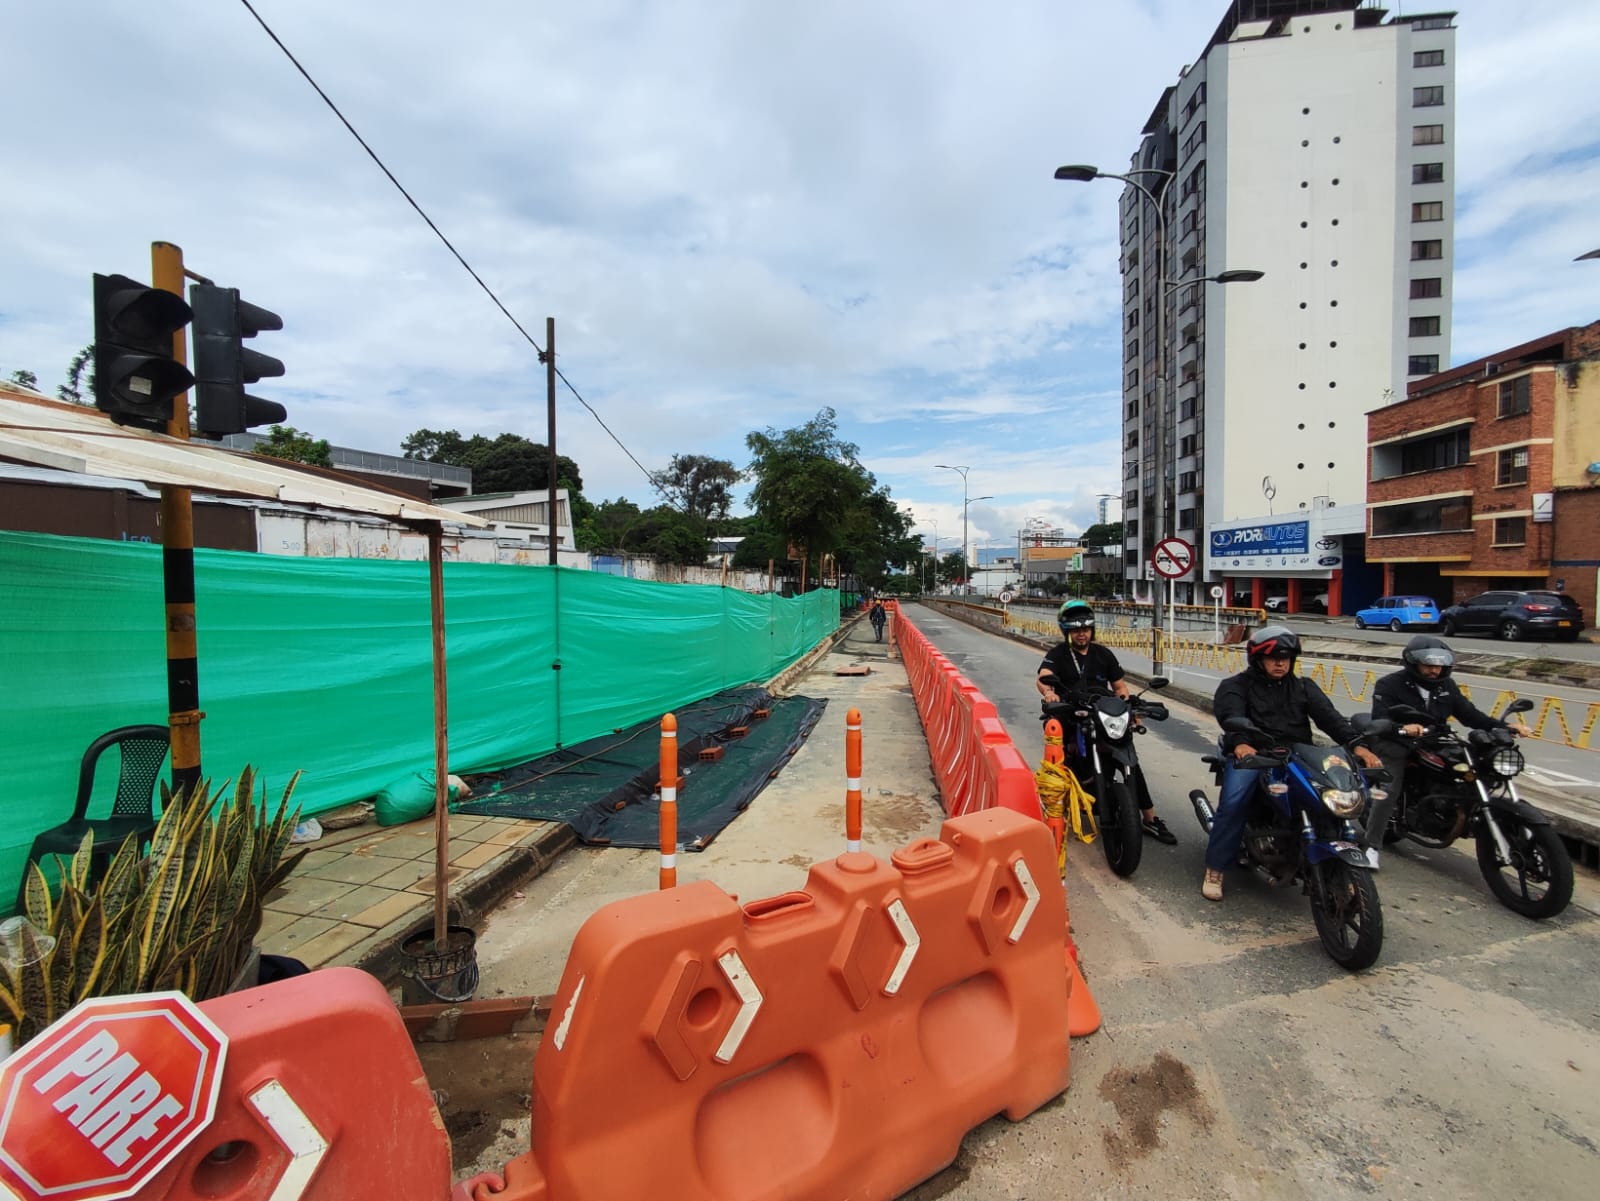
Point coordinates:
[[1313, 141]]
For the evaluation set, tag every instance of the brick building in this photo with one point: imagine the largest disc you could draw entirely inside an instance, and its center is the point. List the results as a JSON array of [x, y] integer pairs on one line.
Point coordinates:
[[1487, 476]]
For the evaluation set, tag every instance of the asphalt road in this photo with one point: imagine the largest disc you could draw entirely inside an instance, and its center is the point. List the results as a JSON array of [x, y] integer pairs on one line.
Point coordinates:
[[1464, 1065]]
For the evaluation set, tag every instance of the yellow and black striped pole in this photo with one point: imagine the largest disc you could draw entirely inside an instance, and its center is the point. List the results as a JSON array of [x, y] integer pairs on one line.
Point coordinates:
[[177, 561]]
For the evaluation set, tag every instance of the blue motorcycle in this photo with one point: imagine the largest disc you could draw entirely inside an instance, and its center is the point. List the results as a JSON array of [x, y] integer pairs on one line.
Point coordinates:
[[1299, 829]]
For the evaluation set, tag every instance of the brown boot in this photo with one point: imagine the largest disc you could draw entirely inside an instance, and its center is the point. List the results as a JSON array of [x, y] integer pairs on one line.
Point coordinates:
[[1211, 889]]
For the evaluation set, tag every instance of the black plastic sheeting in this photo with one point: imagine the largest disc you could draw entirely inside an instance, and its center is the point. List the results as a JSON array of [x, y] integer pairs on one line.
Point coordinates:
[[605, 787]]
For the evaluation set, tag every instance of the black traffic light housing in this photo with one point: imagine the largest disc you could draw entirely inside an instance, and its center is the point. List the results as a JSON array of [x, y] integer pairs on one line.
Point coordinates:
[[223, 365], [136, 376]]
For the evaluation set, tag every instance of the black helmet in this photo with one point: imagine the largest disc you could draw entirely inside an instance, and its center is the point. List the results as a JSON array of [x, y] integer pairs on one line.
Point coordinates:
[[1270, 641], [1427, 651], [1075, 615]]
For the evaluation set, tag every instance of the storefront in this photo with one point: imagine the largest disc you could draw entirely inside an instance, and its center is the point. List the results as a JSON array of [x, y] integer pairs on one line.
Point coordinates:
[[1290, 564]]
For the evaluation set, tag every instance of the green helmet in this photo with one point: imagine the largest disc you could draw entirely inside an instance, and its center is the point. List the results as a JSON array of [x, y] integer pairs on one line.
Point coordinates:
[[1075, 615]]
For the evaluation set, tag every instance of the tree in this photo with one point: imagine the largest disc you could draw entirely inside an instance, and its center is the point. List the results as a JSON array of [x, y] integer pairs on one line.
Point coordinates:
[[505, 463], [699, 485], [606, 527], [808, 483], [286, 442], [72, 391], [1105, 534], [26, 379]]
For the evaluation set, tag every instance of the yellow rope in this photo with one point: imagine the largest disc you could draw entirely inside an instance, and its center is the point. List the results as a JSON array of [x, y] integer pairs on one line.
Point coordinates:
[[1063, 797]]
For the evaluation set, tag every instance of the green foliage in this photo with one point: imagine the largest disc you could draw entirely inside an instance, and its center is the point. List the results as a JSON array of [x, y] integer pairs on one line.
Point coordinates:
[[665, 534], [505, 463], [286, 442], [1107, 534], [813, 494], [183, 917], [700, 486], [952, 568], [26, 379], [73, 389]]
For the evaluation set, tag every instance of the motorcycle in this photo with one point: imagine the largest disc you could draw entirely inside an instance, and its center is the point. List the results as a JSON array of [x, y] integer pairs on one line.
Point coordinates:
[[1299, 830], [1097, 731], [1458, 785]]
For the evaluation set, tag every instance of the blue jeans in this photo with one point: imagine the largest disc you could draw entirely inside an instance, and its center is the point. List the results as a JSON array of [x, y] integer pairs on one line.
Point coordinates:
[[1233, 803]]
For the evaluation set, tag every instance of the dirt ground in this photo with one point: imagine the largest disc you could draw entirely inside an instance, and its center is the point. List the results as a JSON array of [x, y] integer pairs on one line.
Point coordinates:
[[482, 1087]]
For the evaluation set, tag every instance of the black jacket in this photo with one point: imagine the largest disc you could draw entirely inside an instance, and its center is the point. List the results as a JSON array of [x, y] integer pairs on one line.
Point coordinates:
[[1282, 708], [1095, 670], [1446, 702]]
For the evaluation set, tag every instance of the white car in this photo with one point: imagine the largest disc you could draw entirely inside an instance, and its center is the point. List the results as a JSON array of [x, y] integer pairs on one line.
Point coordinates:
[[1275, 604]]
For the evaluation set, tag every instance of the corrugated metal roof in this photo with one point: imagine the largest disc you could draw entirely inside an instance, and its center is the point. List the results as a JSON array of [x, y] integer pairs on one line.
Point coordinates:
[[74, 438]]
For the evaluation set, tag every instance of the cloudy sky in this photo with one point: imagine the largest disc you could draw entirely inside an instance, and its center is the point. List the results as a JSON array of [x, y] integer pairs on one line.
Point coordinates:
[[736, 213]]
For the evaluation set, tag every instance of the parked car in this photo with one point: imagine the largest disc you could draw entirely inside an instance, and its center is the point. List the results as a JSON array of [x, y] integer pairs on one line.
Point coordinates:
[[1275, 604], [1398, 612], [1514, 615]]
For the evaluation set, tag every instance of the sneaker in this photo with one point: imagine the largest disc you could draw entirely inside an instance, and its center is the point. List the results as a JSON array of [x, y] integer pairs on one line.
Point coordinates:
[[1155, 828], [1372, 858], [1211, 889]]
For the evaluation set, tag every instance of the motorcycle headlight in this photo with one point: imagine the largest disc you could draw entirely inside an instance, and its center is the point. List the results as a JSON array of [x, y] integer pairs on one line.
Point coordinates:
[[1506, 762], [1114, 724], [1342, 802]]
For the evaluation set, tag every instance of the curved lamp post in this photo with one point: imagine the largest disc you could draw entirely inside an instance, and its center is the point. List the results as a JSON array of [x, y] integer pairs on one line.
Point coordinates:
[[1083, 173], [963, 470]]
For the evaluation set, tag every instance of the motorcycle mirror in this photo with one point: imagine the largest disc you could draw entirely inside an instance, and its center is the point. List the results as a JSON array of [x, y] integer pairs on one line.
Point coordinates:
[[1238, 725], [1519, 706], [1159, 682]]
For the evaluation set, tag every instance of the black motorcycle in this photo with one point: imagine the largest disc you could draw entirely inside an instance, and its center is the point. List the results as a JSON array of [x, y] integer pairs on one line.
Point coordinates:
[[1097, 729], [1457, 785], [1299, 829]]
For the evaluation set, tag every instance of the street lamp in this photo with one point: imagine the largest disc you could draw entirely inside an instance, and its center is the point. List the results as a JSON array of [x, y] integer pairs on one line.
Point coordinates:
[[1593, 254], [1083, 173], [966, 561], [963, 471]]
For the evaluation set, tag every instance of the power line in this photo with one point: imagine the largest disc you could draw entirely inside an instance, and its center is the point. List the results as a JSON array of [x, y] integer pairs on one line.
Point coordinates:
[[487, 291]]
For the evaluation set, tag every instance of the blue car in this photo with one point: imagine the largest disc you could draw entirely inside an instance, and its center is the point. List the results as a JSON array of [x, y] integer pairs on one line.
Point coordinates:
[[1398, 612]]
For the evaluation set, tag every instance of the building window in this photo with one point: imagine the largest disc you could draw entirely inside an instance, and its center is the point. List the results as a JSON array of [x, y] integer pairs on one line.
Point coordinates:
[[1131, 472], [1449, 516], [1451, 449], [1422, 364], [1187, 480], [1431, 23], [1186, 519], [1425, 327], [1133, 439], [1188, 222], [1433, 248], [1428, 210], [1194, 102], [1511, 467], [1427, 289], [1129, 499], [1427, 97], [1133, 348], [1516, 396], [1133, 382], [1133, 319], [1130, 528], [1188, 407], [1187, 444], [1427, 135], [1131, 558], [1427, 58], [1510, 531], [1195, 181], [1133, 289], [1427, 172]]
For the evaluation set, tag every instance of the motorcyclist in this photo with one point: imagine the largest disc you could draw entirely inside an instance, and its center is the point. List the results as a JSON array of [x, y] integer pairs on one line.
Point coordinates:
[[1281, 705], [1424, 684], [1080, 661]]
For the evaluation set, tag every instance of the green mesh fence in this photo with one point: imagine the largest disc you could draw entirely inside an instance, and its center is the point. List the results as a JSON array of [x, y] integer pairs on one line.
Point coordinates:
[[325, 665]]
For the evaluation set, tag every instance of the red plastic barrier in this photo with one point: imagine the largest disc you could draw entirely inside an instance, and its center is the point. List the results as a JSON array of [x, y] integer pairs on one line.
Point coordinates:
[[974, 760], [836, 1042], [322, 1099]]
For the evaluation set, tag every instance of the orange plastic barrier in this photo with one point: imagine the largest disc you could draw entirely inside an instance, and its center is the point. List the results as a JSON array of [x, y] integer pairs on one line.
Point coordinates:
[[322, 1099], [974, 760], [835, 1042]]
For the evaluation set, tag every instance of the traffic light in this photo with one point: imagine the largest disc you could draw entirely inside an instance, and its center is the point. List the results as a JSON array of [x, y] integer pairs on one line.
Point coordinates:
[[223, 366], [136, 376]]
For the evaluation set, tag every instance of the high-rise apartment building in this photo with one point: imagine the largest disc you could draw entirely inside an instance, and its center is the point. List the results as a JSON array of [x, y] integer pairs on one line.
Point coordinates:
[[1312, 141]]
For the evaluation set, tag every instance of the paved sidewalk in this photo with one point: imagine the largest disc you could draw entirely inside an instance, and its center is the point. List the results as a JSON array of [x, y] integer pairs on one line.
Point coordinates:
[[362, 891]]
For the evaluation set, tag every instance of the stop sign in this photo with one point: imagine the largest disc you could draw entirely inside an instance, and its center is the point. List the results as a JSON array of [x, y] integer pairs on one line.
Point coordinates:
[[97, 1104]]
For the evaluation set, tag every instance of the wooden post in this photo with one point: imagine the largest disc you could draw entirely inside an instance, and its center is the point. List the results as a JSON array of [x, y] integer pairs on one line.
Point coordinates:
[[550, 389], [441, 754]]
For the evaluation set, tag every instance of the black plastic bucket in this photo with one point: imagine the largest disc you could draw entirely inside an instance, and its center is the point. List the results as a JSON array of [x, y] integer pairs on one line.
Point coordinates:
[[430, 973]]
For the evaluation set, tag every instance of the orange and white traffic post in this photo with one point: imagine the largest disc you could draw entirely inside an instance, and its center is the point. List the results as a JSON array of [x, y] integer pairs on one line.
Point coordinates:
[[1055, 752], [669, 801], [852, 780]]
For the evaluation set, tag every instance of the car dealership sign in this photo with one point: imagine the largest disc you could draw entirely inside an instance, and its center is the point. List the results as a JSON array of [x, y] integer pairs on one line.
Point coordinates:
[[1273, 545]]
